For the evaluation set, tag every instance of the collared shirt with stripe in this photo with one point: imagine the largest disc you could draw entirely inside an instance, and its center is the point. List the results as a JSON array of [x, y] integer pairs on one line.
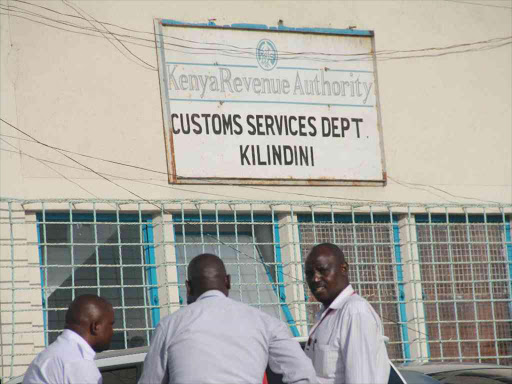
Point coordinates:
[[347, 345]]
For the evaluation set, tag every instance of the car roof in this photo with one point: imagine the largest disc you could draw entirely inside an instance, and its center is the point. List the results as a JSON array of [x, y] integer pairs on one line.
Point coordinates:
[[432, 367], [121, 357], [134, 355]]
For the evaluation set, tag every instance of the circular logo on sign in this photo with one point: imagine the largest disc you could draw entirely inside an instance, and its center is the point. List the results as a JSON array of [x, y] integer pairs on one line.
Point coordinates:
[[266, 54]]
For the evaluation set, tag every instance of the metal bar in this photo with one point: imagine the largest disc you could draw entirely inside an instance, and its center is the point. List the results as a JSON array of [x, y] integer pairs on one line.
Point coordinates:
[[143, 272], [475, 308], [121, 273]]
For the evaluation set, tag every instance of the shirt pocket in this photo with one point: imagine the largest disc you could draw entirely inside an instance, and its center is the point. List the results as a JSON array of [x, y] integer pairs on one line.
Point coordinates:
[[326, 360]]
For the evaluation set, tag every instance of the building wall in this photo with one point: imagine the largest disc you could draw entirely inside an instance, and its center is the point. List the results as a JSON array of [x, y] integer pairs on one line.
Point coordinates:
[[446, 120], [446, 127]]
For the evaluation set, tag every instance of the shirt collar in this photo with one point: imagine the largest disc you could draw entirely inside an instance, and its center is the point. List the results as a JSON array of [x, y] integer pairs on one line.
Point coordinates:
[[211, 293], [84, 346], [338, 301]]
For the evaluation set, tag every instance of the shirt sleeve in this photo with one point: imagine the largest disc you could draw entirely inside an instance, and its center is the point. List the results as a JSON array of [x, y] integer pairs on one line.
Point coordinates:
[[84, 371], [364, 353], [155, 363], [286, 357]]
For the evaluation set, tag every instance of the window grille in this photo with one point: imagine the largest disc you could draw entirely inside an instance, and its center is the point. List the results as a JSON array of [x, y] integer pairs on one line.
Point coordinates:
[[439, 276]]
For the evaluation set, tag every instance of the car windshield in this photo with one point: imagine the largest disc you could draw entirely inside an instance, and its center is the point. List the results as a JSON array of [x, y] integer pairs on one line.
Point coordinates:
[[476, 376]]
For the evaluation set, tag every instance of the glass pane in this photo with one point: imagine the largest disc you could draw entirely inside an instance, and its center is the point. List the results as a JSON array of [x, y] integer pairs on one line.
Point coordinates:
[[458, 269], [99, 268], [249, 261], [372, 272]]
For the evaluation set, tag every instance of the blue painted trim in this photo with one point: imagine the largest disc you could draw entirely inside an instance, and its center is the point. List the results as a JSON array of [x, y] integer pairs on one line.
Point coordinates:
[[457, 218], [89, 218], [359, 218], [222, 218], [300, 68], [176, 252], [281, 294], [41, 271], [255, 66], [270, 102], [306, 297], [263, 27], [151, 272], [508, 239], [212, 65], [401, 290], [109, 218], [349, 70]]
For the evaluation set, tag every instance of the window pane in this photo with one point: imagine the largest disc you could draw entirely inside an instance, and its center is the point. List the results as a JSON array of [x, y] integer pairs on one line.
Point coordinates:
[[372, 272], [248, 253], [94, 260], [464, 289]]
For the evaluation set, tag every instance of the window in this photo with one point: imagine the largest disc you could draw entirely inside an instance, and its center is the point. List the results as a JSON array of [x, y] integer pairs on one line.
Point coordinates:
[[249, 247], [107, 255], [465, 270], [371, 246]]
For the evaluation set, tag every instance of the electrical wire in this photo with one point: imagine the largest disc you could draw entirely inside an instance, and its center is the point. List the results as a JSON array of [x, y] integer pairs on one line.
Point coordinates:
[[441, 190], [266, 265], [480, 4], [280, 53], [48, 166], [262, 188], [145, 65], [148, 201], [298, 55]]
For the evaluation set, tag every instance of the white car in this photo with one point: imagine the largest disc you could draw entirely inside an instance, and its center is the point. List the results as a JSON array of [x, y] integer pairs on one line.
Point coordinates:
[[125, 367]]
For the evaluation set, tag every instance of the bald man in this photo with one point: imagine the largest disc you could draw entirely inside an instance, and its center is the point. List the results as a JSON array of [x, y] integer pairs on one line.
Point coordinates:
[[347, 344], [219, 340], [70, 358]]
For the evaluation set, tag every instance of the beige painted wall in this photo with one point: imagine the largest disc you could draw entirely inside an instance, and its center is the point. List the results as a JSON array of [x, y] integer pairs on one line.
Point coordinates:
[[446, 120]]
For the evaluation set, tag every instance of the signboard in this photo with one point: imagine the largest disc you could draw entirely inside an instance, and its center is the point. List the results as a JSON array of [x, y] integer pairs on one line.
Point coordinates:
[[244, 104]]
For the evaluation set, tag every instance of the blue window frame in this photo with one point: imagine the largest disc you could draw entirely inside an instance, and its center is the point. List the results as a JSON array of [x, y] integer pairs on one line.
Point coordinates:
[[249, 246], [371, 243], [466, 269], [106, 254]]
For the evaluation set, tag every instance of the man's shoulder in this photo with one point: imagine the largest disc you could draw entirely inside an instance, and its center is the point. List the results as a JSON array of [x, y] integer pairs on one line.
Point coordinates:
[[229, 307], [357, 304]]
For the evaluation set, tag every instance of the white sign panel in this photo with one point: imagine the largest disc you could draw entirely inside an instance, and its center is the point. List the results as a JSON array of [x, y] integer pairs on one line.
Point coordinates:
[[269, 106]]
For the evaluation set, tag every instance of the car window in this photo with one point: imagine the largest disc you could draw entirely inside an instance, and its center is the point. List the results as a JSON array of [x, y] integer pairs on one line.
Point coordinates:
[[412, 377], [476, 376], [125, 375]]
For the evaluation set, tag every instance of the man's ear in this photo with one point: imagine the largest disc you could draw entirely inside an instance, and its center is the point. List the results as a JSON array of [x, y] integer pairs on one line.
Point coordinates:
[[344, 268], [94, 328], [189, 288], [228, 282]]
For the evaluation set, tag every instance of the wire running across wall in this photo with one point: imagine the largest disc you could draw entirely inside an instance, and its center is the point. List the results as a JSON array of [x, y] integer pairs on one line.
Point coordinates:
[[53, 18], [438, 275]]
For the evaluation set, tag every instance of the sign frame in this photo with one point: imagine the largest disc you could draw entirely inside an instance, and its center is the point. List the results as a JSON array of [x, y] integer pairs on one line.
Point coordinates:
[[174, 178]]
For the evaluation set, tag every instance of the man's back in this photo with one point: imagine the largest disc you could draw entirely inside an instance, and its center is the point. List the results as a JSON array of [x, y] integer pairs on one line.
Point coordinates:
[[219, 340], [68, 360]]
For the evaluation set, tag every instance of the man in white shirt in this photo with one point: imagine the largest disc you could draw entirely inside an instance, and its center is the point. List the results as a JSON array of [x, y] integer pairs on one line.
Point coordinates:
[[70, 358], [347, 344], [219, 340]]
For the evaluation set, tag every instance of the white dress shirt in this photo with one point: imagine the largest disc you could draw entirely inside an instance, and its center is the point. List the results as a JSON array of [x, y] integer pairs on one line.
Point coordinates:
[[220, 340], [347, 344], [68, 360]]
